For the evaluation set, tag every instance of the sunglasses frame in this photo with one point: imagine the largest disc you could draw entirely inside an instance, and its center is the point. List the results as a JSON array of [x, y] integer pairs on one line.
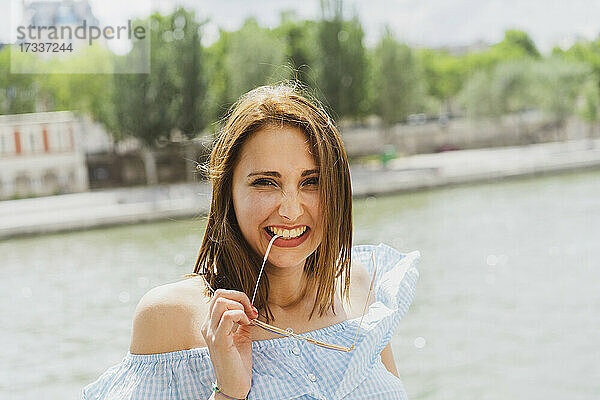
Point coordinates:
[[284, 332]]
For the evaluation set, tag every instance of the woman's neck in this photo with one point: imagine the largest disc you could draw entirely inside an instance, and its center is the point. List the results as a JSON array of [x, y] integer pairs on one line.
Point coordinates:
[[288, 287]]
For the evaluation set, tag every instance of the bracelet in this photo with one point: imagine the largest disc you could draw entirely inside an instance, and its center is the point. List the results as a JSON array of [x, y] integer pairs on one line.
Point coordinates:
[[216, 389]]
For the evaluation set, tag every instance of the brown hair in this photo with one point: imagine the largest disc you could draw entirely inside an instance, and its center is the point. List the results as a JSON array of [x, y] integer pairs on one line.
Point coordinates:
[[226, 259]]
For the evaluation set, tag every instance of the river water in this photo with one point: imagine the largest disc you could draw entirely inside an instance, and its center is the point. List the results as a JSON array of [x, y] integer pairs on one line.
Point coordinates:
[[507, 306]]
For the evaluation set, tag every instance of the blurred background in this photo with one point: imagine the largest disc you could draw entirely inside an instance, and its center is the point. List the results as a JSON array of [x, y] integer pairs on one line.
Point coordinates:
[[473, 134]]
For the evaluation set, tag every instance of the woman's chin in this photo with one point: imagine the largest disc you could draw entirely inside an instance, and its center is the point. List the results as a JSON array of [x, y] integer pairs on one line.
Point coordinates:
[[286, 262]]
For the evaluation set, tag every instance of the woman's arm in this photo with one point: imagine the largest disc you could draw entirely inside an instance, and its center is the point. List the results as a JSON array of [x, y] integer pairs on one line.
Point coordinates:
[[387, 358], [169, 318]]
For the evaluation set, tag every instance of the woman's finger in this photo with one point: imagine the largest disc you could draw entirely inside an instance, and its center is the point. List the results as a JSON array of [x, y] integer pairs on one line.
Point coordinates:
[[232, 295], [228, 319], [221, 305]]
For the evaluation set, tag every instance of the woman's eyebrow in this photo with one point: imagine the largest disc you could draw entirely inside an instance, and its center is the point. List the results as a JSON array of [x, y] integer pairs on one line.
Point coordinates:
[[268, 173], [309, 172], [276, 174]]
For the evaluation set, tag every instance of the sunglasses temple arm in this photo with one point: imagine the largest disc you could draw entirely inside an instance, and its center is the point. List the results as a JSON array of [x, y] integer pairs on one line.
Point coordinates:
[[368, 297], [263, 266], [309, 339]]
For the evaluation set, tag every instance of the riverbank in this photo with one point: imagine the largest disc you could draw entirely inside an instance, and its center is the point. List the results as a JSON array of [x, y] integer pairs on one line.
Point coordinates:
[[141, 204]]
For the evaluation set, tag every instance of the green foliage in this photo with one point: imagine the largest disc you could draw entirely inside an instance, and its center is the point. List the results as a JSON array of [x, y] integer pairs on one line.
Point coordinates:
[[559, 83], [57, 90], [587, 52], [301, 53], [217, 100], [506, 89], [254, 57], [18, 92], [476, 98], [516, 45], [519, 44], [446, 74], [511, 76], [86, 93], [190, 82], [591, 101], [189, 85], [397, 81], [239, 61], [443, 73], [150, 106], [342, 69], [551, 85], [145, 103]]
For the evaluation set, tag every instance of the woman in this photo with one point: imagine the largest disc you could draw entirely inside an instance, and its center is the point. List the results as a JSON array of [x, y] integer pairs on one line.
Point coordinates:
[[281, 190]]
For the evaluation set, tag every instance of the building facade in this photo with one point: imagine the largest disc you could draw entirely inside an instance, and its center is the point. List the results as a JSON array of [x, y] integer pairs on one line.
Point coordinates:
[[40, 154]]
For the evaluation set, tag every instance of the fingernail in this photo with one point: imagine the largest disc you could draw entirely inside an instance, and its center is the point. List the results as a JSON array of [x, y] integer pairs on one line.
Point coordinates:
[[255, 310]]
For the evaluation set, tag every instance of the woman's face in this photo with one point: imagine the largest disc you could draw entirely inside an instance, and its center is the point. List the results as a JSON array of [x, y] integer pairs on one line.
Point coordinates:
[[276, 190]]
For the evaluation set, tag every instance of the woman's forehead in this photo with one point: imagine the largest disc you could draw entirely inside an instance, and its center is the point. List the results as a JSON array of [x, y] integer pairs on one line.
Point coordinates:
[[277, 147]]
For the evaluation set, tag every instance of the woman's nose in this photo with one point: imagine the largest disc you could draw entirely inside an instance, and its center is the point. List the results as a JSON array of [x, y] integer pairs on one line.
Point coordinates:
[[290, 207]]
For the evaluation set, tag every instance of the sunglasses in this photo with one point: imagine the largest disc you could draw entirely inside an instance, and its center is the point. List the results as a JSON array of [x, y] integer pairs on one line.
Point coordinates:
[[288, 333]]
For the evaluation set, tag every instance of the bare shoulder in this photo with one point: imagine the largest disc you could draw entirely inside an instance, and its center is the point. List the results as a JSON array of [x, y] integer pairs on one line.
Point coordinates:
[[360, 277], [169, 317], [360, 281]]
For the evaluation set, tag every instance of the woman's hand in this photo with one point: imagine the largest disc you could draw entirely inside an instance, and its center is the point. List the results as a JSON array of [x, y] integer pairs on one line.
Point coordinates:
[[226, 331]]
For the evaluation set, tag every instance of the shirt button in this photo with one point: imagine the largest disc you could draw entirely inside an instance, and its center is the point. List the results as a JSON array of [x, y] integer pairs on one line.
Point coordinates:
[[296, 350], [312, 377]]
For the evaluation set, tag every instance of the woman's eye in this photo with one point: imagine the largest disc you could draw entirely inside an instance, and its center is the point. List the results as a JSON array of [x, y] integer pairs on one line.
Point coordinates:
[[263, 182], [312, 181]]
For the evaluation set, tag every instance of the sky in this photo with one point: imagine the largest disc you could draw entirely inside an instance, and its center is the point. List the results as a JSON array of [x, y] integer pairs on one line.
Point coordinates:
[[430, 23]]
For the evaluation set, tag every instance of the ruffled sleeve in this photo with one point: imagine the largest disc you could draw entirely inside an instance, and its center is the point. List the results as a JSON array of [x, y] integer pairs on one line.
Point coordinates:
[[395, 282], [185, 374]]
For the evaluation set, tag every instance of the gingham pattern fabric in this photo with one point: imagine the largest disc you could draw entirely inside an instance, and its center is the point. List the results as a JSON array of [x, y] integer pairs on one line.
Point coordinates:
[[288, 368]]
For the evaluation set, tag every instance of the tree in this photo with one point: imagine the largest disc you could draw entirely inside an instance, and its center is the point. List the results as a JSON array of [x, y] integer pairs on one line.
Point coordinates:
[[516, 45], [91, 94], [342, 72], [397, 81], [240, 61], [519, 43], [558, 85], [254, 57], [301, 54], [18, 92], [587, 52], [446, 74], [476, 97], [508, 89], [552, 85], [589, 109], [147, 104], [443, 73], [150, 106], [191, 86], [217, 100]]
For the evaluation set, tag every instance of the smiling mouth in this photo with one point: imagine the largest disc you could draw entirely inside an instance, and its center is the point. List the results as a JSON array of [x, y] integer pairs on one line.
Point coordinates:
[[287, 234]]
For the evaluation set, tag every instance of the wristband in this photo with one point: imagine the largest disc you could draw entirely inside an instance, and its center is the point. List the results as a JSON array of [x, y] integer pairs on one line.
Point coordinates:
[[216, 389]]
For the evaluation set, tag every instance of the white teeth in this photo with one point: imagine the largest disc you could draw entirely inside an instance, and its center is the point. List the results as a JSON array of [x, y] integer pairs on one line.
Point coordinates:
[[287, 233]]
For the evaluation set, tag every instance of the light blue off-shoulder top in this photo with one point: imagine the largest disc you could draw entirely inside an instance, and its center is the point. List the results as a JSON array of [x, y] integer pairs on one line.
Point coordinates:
[[288, 368]]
